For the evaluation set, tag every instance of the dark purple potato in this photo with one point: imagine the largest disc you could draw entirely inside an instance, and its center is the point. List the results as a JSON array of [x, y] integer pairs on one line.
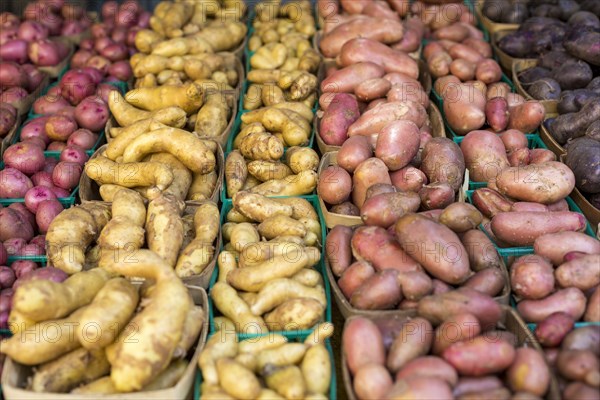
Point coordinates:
[[583, 157], [584, 43], [584, 18], [517, 44], [573, 100], [531, 75], [554, 59], [594, 85], [593, 130], [573, 75], [594, 200], [567, 9], [544, 89]]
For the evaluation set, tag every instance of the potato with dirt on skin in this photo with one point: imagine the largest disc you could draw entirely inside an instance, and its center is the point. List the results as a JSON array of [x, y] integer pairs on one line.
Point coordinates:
[[485, 155], [532, 277], [443, 161], [335, 185], [461, 217]]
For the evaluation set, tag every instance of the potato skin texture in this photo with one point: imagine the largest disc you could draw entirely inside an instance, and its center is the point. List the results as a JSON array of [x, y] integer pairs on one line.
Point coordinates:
[[569, 300], [338, 250], [485, 155], [582, 273], [443, 161], [480, 357], [532, 277], [362, 344], [554, 246]]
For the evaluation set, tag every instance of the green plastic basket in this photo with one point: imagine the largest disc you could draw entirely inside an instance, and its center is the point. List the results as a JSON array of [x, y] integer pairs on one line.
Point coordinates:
[[521, 251]]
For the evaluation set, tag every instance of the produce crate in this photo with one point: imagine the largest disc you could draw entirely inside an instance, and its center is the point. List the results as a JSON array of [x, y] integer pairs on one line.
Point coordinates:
[[15, 376], [439, 102], [504, 59], [320, 267], [519, 66], [510, 321], [332, 387], [534, 142], [89, 189], [487, 23], [521, 251]]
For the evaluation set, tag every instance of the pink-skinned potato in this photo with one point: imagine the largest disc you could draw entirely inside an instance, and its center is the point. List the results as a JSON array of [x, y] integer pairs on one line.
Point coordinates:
[[489, 202], [372, 381], [443, 161], [14, 183], [592, 312], [462, 69], [44, 52], [584, 338], [519, 157], [346, 208], [513, 139], [379, 188], [92, 113], [397, 144], [532, 277], [523, 228], [488, 71], [544, 183], [526, 117], [461, 217], [408, 92], [415, 284], [529, 372], [371, 122], [570, 300], [480, 356], [579, 365], [14, 225], [552, 330], [379, 292], [582, 273], [47, 211], [60, 127], [541, 156], [429, 366], [579, 390], [366, 174], [464, 108], [353, 152], [490, 281], [457, 328], [467, 385], [386, 208], [335, 185], [408, 179], [338, 250], [481, 251], [420, 387], [437, 308], [66, 174], [414, 340], [418, 235], [362, 344], [438, 195], [341, 113], [346, 80], [372, 89], [528, 206], [354, 276], [496, 113], [377, 246], [26, 157]]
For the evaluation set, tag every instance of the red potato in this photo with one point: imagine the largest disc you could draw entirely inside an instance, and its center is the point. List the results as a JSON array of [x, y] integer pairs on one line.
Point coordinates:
[[528, 206], [36, 195], [462, 69], [30, 31], [498, 89], [14, 51], [372, 381], [415, 284], [362, 344], [489, 281], [26, 157], [372, 89], [60, 127], [496, 114], [467, 385], [386, 208], [76, 85], [488, 71], [579, 365], [582, 273], [56, 146], [442, 161], [529, 372], [437, 195], [526, 117], [24, 212], [465, 52], [14, 183], [375, 245], [45, 52], [408, 92], [346, 208], [413, 341], [592, 312], [380, 9], [66, 175], [379, 292], [11, 74], [552, 330], [485, 155], [49, 105], [341, 113], [457, 328], [490, 202], [519, 157], [522, 228], [438, 60], [419, 387], [408, 179], [13, 246], [570, 300], [367, 50], [115, 52], [411, 41], [418, 235], [354, 276], [429, 366], [371, 122], [482, 252], [584, 338], [514, 100], [335, 185], [47, 211], [347, 79], [532, 277], [83, 138], [579, 390], [375, 103], [464, 108], [397, 144], [379, 188], [74, 154], [353, 152], [366, 174], [479, 356], [338, 250], [14, 225], [100, 63], [541, 183]]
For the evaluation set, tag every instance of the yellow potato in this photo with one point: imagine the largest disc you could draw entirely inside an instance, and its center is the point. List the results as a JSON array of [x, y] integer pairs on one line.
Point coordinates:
[[295, 314], [226, 262], [203, 186], [253, 96], [164, 228], [286, 354], [259, 208], [294, 185], [267, 170], [278, 291], [196, 256], [316, 368], [191, 329], [188, 97], [287, 381], [302, 159], [237, 380], [182, 177], [233, 307], [236, 172], [308, 277], [244, 234], [262, 343], [218, 345], [301, 208], [280, 225]]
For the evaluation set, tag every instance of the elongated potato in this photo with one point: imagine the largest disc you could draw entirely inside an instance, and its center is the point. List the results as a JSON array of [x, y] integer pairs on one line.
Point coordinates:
[[196, 256], [189, 97], [485, 155], [536, 379], [555, 246], [281, 225], [236, 379], [378, 292], [164, 228], [466, 356], [363, 331], [295, 314], [570, 300], [285, 354], [293, 185], [582, 273], [232, 306], [377, 246], [258, 207], [337, 247], [429, 366], [277, 291], [316, 369], [406, 346]]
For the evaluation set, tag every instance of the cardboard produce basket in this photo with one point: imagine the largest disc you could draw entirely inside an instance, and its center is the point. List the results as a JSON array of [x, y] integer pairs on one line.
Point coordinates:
[[15, 376], [89, 189], [510, 322], [488, 24], [547, 137], [521, 65]]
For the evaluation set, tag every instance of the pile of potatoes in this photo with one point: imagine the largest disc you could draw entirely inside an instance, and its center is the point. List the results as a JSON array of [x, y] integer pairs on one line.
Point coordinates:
[[572, 354], [183, 237], [266, 278], [395, 178], [94, 314], [460, 352], [420, 254], [267, 367], [562, 275], [260, 167], [151, 153]]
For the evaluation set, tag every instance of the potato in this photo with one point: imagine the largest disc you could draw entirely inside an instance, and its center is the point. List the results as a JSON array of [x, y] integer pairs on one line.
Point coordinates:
[[353, 152], [592, 312], [316, 369], [460, 217], [354, 276], [379, 247], [490, 281], [570, 300], [346, 80], [464, 108], [555, 246], [408, 179], [277, 291], [488, 71], [522, 228], [371, 381], [293, 185], [346, 208], [552, 330], [363, 331], [436, 195], [236, 379], [448, 262], [338, 117], [379, 292], [532, 277], [536, 379], [485, 155], [466, 356], [429, 366], [367, 173], [438, 307], [301, 159], [335, 185], [443, 152], [259, 208], [281, 225], [386, 208], [397, 144], [414, 340], [462, 69], [365, 49], [301, 208], [338, 250], [420, 387], [295, 314], [371, 122], [379, 188], [526, 117], [580, 365], [232, 306], [459, 327], [580, 273]]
